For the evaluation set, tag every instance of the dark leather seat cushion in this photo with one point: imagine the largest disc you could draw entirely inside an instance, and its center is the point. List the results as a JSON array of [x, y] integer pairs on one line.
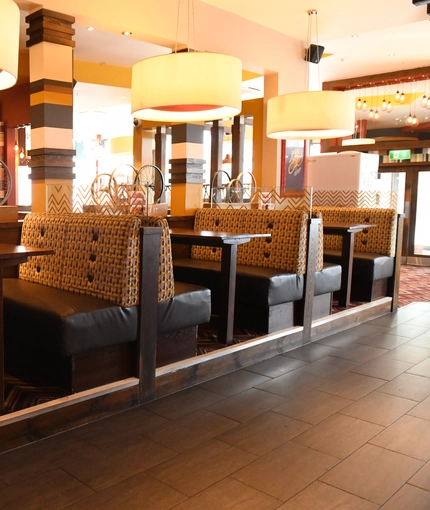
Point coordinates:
[[59, 323], [328, 280], [366, 266], [257, 286]]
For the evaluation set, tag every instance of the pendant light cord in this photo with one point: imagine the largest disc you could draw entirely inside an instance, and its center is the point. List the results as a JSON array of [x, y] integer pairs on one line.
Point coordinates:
[[191, 25]]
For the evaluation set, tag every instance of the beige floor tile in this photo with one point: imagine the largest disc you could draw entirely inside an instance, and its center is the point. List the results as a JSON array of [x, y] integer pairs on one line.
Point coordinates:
[[341, 340], [235, 382], [183, 402], [379, 408], [410, 386], [50, 491], [293, 384], [230, 494], [383, 368], [372, 473], [264, 433], [313, 407], [368, 329], [120, 461], [361, 353], [408, 435], [247, 405], [421, 341], [136, 493], [407, 330], [409, 497], [422, 368], [338, 435], [422, 478], [276, 366], [408, 353], [325, 497], [421, 410], [329, 367], [383, 341], [421, 321], [286, 471], [311, 352], [191, 430], [391, 320], [197, 469], [350, 385]]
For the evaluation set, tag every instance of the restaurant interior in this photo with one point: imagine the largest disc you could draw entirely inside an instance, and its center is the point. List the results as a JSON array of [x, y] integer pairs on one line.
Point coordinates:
[[191, 191]]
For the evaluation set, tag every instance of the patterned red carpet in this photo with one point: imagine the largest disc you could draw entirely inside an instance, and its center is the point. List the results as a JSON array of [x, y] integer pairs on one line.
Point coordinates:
[[414, 284]]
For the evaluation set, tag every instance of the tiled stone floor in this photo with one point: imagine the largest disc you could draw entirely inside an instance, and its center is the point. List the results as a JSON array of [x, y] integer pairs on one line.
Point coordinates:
[[341, 423]]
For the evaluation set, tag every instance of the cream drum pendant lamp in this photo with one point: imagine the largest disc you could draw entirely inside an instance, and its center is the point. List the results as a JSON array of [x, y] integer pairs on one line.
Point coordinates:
[[9, 43], [311, 114], [186, 86]]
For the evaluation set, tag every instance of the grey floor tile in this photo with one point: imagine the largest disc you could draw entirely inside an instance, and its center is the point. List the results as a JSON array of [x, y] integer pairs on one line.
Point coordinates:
[[135, 493], [409, 497], [325, 497], [286, 471], [408, 353], [361, 353], [276, 366], [372, 473], [197, 469], [368, 329], [311, 352], [407, 330], [380, 408], [383, 368], [313, 406], [383, 341], [339, 435], [264, 433], [292, 384], [351, 386], [340, 340], [229, 493], [247, 405], [410, 386], [421, 341], [329, 367], [233, 383], [408, 435]]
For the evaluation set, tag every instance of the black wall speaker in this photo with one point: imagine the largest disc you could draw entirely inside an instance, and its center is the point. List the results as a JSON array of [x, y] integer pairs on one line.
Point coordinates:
[[314, 53]]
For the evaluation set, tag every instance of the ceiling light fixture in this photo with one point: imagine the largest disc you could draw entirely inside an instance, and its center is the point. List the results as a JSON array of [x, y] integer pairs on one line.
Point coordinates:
[[9, 43], [126, 32], [311, 114], [186, 86]]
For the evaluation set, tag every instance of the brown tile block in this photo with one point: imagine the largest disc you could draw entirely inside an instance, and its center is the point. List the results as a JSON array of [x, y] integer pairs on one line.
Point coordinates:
[[422, 368], [352, 386], [423, 320], [325, 497], [136, 493], [421, 410], [393, 319], [292, 384], [50, 491], [198, 469], [379, 408], [191, 430], [361, 353], [338, 435], [408, 497], [104, 433], [421, 341], [368, 329], [408, 435], [383, 341], [341, 340], [313, 407], [410, 386], [184, 402], [408, 353], [311, 352], [372, 473], [247, 405], [234, 383], [329, 367], [114, 464], [285, 471], [229, 493], [383, 368], [407, 330], [422, 478], [264, 433], [276, 366]]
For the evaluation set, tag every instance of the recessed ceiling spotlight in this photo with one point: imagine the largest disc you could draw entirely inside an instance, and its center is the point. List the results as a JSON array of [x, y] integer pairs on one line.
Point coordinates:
[[354, 36], [391, 55], [126, 32], [90, 29]]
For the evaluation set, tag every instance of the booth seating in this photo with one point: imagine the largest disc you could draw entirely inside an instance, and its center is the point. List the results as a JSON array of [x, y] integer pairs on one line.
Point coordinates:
[[75, 314], [270, 271], [374, 261]]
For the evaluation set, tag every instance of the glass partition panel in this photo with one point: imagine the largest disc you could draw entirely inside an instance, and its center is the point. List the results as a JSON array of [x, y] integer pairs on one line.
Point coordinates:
[[422, 231]]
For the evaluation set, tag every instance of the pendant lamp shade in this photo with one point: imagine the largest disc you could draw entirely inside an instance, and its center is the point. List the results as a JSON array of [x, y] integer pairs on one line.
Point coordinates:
[[311, 115], [185, 87], [9, 43], [358, 141]]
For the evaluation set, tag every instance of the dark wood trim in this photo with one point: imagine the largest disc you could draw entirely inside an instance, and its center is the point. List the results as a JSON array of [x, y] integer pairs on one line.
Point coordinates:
[[238, 146], [217, 136]]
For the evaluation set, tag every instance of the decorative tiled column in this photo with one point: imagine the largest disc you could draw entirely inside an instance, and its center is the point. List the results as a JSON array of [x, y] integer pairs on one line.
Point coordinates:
[[186, 169], [51, 109]]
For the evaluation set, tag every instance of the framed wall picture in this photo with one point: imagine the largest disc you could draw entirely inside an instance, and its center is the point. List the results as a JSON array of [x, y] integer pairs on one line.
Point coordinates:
[[293, 155]]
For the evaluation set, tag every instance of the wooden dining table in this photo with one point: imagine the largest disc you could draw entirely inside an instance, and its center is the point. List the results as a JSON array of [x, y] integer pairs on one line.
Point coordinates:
[[347, 231], [12, 255], [228, 242]]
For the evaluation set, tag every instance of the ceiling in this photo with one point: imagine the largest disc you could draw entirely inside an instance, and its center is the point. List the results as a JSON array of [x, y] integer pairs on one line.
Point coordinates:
[[360, 38]]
